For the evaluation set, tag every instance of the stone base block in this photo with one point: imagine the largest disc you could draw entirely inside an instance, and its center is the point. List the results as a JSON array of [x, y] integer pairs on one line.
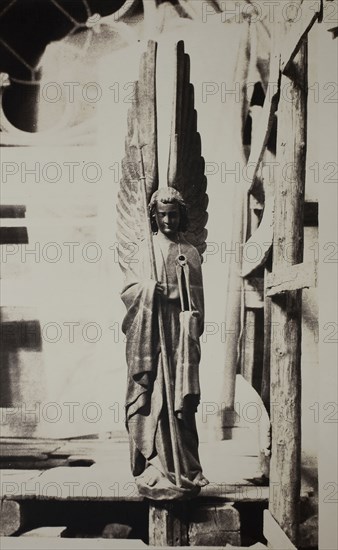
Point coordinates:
[[214, 525]]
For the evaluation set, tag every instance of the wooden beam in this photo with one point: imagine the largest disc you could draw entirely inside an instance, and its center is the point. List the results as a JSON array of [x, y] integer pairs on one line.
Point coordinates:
[[254, 293], [295, 277], [88, 544], [14, 235], [248, 346], [280, 62], [277, 539], [59, 543], [258, 246], [233, 308], [265, 388], [12, 211], [310, 12], [286, 308], [54, 532], [240, 227], [266, 120]]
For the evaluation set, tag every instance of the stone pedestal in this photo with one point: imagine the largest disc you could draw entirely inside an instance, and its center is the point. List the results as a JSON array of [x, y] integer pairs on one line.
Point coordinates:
[[168, 524], [214, 525]]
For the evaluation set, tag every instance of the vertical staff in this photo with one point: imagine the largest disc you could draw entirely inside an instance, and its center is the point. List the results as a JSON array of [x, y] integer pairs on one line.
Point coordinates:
[[164, 356]]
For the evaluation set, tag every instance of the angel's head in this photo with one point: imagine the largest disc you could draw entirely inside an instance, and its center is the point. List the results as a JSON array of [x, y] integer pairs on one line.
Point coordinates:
[[168, 212]]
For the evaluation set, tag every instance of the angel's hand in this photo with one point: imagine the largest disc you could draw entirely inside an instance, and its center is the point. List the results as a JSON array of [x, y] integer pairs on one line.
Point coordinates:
[[159, 289]]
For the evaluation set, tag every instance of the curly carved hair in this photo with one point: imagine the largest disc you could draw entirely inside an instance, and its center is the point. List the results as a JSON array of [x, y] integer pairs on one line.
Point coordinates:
[[168, 195]]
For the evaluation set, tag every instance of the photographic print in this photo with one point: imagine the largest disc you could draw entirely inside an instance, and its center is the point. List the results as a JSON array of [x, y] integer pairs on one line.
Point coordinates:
[[168, 274]]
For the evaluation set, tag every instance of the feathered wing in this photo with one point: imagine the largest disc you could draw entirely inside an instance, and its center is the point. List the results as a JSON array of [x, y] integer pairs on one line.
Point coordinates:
[[186, 164], [142, 136]]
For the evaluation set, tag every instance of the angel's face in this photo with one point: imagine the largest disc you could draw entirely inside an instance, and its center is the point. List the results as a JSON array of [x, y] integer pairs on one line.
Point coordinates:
[[168, 218]]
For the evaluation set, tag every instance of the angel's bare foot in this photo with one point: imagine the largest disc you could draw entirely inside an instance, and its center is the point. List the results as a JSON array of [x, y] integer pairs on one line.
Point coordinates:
[[200, 480], [151, 476]]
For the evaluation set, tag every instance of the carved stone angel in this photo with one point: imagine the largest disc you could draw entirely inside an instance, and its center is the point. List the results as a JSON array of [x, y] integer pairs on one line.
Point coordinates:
[[163, 290]]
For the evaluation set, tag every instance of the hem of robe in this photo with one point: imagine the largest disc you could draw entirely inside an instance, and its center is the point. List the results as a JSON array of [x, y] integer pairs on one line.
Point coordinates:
[[165, 490]]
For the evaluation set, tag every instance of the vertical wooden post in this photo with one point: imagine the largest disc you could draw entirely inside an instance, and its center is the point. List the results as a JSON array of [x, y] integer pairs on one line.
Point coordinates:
[[235, 281], [286, 308], [265, 388], [248, 346], [233, 307]]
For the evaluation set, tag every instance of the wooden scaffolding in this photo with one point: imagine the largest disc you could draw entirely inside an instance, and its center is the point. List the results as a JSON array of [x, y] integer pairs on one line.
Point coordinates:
[[275, 226]]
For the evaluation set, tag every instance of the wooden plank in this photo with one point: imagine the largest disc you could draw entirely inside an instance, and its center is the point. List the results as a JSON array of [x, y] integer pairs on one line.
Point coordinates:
[[230, 465], [12, 480], [24, 463], [280, 62], [27, 448], [42, 443], [75, 483], [295, 277], [12, 211], [265, 122], [235, 493], [265, 388], [239, 233], [22, 453], [233, 310], [121, 491], [53, 532], [18, 475], [248, 346], [90, 447], [54, 449], [49, 222], [257, 247], [310, 12], [275, 536], [41, 543], [285, 474], [254, 293], [13, 235]]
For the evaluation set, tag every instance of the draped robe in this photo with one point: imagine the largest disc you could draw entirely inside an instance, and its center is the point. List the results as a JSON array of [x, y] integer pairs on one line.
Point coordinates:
[[146, 407]]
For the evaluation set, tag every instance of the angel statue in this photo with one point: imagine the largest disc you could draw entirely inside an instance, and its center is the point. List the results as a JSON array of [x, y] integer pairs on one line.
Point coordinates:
[[163, 291]]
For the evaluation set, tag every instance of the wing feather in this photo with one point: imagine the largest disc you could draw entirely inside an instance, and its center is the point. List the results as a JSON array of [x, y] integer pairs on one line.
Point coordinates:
[[186, 164], [141, 135]]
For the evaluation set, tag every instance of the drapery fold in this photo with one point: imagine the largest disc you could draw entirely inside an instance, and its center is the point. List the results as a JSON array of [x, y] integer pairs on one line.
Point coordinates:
[[146, 406]]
